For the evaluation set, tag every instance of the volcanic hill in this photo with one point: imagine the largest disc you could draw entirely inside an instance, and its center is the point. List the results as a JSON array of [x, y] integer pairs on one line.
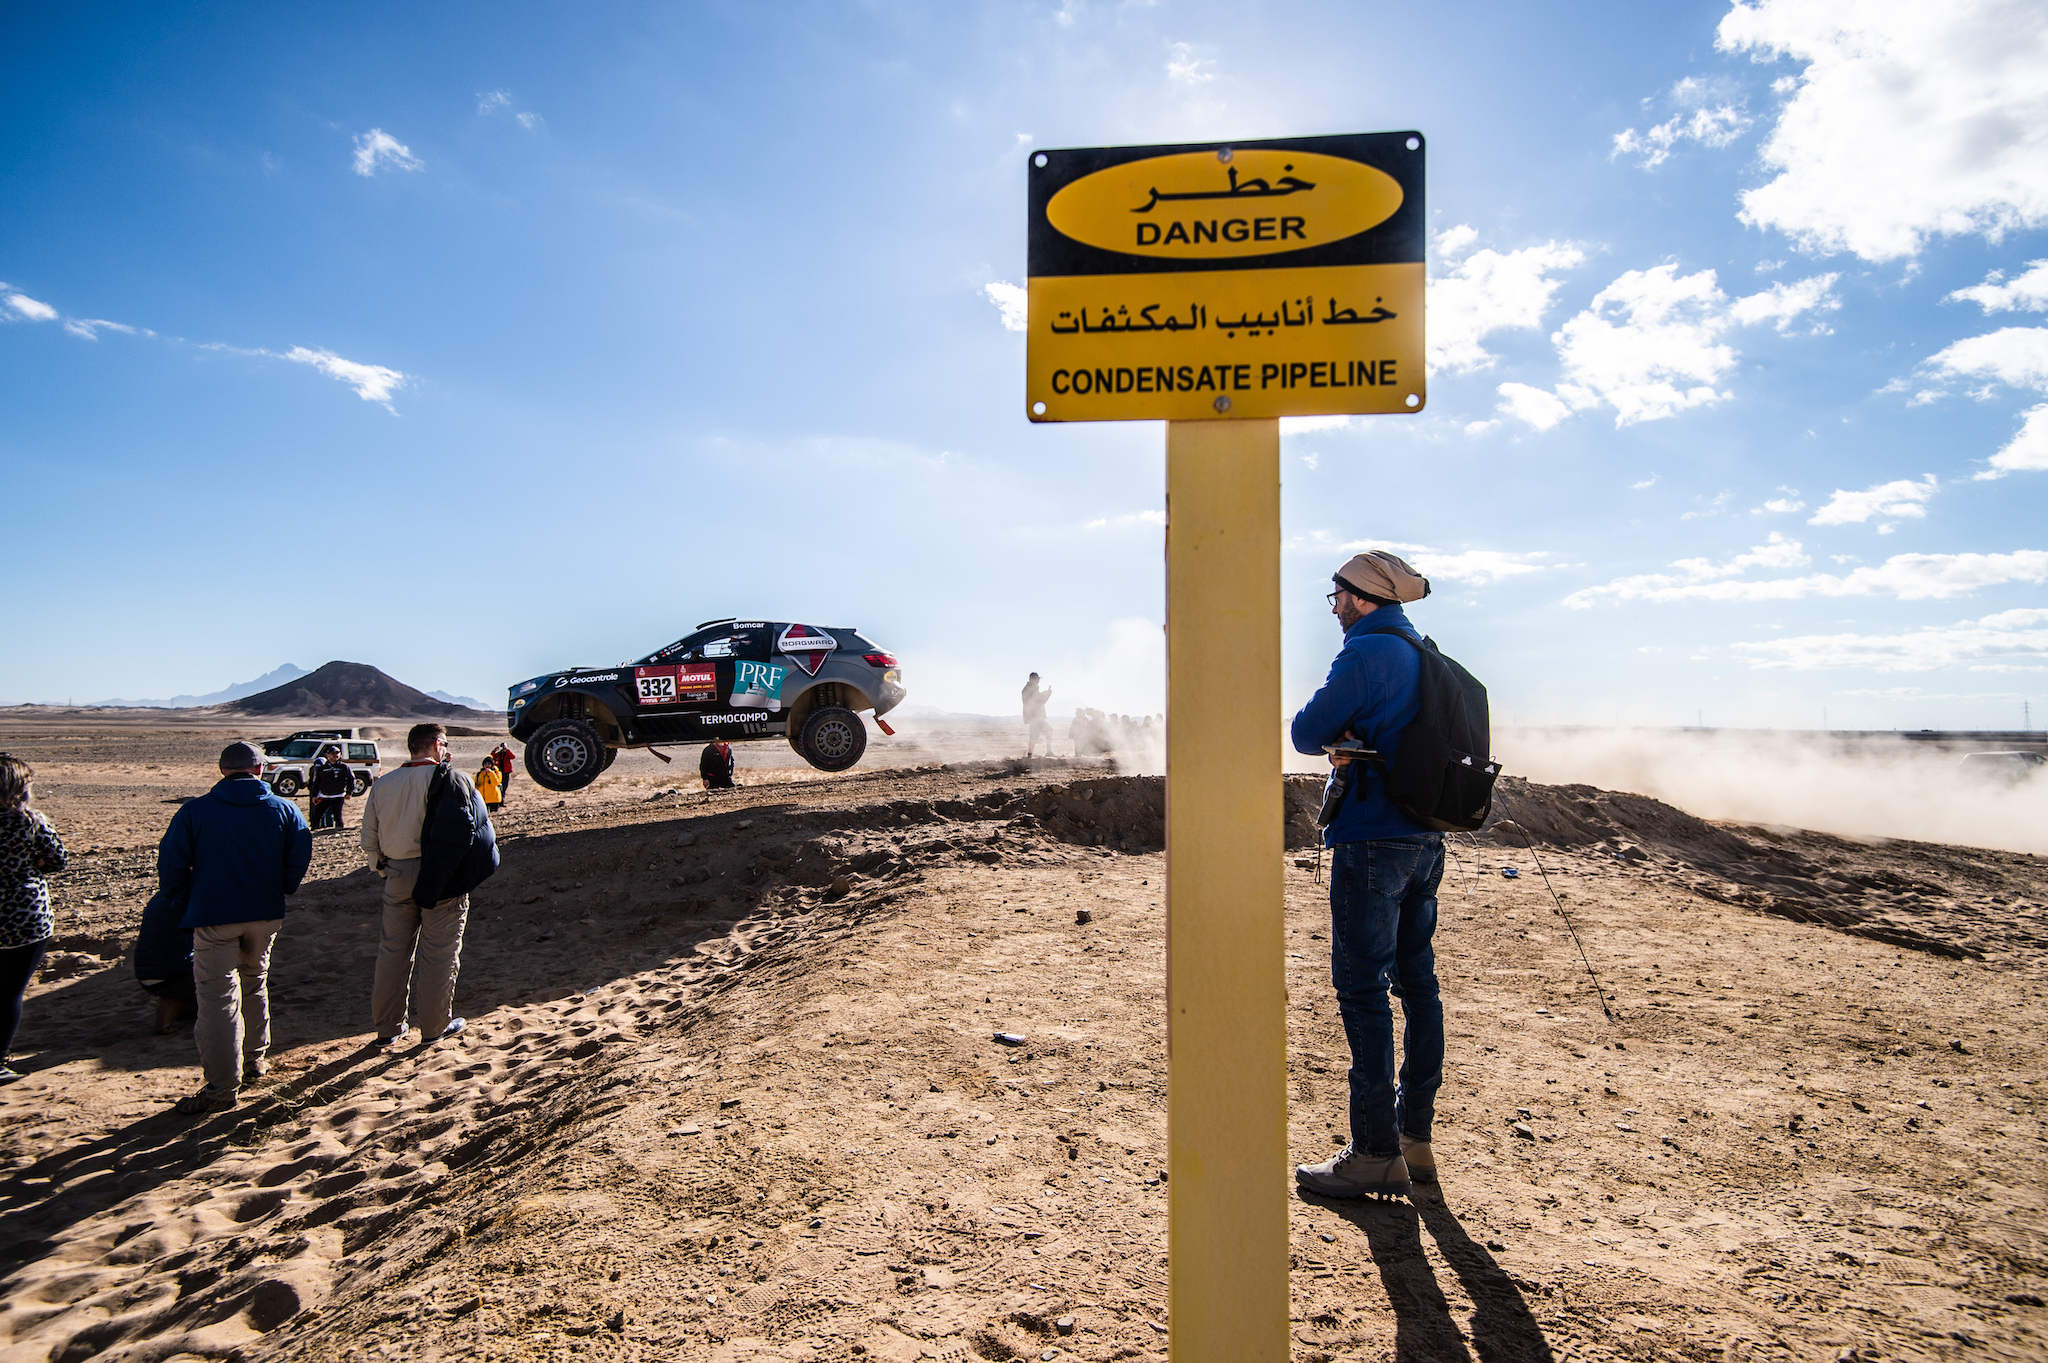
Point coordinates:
[[349, 689]]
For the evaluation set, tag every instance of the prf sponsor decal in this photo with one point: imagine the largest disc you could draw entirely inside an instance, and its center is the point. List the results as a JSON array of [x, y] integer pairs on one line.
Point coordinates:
[[757, 685]]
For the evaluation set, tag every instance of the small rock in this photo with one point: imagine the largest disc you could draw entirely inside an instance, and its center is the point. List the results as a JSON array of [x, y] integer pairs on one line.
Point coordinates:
[[686, 840], [617, 1323], [1065, 1325], [840, 885], [1496, 1246], [1083, 916], [1009, 1039], [817, 1223], [686, 1131], [1526, 1132], [1510, 873], [1048, 1356], [1336, 1138], [1955, 1043], [2023, 1299], [728, 1102], [1329, 1239], [744, 824], [1923, 1103]]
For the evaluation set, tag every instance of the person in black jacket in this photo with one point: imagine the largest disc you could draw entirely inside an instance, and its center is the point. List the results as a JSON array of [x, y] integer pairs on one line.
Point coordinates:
[[330, 785], [716, 764], [163, 960]]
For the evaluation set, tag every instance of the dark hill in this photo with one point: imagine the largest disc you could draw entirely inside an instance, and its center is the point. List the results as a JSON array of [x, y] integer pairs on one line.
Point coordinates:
[[348, 689]]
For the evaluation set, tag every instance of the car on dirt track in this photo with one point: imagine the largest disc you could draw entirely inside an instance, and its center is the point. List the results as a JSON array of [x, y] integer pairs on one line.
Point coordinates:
[[731, 679]]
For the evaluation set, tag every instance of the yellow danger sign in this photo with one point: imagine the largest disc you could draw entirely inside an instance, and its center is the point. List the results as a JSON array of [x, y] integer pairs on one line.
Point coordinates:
[[1278, 278]]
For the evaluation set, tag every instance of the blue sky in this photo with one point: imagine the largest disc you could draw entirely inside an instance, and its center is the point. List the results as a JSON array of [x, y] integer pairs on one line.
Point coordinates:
[[542, 333]]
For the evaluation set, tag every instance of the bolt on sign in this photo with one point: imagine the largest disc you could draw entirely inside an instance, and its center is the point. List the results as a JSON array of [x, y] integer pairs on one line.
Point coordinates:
[[1260, 279]]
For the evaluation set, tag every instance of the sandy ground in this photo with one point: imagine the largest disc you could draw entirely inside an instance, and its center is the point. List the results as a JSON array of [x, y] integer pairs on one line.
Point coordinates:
[[731, 1091]]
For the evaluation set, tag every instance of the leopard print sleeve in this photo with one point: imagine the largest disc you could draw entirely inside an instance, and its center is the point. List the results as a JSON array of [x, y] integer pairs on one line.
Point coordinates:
[[29, 850]]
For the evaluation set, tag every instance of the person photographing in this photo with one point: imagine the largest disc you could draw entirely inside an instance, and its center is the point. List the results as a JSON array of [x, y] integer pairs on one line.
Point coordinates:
[[1385, 868]]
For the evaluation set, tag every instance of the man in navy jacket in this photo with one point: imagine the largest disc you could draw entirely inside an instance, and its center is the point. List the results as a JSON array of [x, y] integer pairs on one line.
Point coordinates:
[[1384, 872], [237, 850]]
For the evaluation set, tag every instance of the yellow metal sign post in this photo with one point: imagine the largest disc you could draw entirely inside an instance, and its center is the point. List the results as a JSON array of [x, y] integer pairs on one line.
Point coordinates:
[[1220, 288]]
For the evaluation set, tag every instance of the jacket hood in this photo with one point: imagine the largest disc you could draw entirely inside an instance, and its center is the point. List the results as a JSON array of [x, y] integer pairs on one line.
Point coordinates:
[[1384, 618], [241, 790]]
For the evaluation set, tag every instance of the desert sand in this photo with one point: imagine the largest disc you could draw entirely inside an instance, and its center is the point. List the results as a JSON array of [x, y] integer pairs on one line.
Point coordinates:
[[731, 1091]]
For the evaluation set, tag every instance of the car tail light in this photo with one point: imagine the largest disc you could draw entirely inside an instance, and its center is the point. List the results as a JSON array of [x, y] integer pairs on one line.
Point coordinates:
[[879, 659]]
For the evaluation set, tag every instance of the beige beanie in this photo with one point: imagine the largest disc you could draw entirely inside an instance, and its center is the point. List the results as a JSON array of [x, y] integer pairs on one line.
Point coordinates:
[[1383, 575]]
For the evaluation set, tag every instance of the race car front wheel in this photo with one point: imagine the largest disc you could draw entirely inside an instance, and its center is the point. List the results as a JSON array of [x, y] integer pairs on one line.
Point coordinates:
[[833, 738], [565, 754]]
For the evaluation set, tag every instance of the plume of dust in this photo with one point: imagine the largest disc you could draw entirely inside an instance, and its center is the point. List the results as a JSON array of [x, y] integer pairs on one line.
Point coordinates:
[[1855, 786]]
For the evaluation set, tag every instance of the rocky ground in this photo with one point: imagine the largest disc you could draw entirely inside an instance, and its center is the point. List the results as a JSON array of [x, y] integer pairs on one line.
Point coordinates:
[[731, 1091]]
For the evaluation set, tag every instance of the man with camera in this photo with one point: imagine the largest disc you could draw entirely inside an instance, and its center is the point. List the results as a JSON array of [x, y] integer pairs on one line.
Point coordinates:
[[1384, 872]]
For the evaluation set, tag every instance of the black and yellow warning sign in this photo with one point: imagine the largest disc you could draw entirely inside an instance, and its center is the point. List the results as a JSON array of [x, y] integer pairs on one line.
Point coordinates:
[[1259, 279]]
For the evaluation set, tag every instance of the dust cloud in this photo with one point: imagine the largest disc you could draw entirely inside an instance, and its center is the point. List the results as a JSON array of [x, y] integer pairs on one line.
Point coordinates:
[[1852, 785]]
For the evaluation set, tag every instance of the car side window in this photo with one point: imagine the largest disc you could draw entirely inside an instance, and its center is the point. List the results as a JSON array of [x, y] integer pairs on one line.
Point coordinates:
[[721, 647], [362, 752]]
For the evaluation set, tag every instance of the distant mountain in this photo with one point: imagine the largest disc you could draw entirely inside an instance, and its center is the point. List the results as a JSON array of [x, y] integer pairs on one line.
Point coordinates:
[[470, 701], [349, 689], [267, 681]]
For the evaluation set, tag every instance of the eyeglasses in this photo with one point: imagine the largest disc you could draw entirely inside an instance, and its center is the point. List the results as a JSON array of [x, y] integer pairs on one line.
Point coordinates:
[[1332, 597]]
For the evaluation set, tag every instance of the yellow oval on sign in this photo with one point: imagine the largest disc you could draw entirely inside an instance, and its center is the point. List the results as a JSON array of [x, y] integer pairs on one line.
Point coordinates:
[[1197, 206]]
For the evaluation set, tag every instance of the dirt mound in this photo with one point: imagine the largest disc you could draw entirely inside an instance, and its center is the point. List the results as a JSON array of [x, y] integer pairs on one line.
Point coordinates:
[[347, 689], [1951, 901]]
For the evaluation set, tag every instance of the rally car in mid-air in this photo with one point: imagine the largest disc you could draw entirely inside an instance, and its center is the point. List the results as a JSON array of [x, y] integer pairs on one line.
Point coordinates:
[[729, 679]]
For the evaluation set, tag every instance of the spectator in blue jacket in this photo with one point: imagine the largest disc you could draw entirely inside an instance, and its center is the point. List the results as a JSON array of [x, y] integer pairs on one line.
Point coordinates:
[[1384, 872], [237, 851]]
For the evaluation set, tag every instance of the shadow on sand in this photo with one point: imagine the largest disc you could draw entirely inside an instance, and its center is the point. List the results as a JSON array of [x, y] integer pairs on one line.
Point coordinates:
[[1503, 1330]]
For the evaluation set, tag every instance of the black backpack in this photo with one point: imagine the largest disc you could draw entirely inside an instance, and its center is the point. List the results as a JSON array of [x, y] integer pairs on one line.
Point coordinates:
[[458, 846], [1441, 776]]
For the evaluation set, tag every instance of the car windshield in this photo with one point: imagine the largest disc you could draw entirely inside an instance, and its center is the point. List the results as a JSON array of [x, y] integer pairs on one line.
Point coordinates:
[[305, 747]]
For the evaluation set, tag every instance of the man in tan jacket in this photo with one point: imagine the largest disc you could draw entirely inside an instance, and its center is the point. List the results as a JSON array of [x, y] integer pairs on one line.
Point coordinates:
[[426, 942]]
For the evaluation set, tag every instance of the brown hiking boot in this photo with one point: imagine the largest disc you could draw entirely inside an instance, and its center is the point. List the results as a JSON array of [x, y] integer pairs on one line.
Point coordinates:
[[1421, 1163], [1351, 1174]]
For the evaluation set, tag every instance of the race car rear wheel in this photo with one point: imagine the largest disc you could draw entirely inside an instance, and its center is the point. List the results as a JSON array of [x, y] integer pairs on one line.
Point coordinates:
[[833, 738], [286, 784], [565, 754]]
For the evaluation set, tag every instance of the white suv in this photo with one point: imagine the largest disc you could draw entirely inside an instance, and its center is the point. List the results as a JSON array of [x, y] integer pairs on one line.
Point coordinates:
[[289, 770]]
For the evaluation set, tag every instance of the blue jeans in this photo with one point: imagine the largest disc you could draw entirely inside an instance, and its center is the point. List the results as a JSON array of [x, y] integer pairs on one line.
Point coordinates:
[[1382, 916]]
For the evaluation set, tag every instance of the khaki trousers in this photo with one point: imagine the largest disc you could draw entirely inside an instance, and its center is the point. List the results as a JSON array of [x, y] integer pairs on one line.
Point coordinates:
[[230, 975], [427, 942]]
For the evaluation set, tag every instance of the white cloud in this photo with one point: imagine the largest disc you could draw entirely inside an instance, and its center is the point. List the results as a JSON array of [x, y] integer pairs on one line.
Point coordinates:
[[372, 382], [1648, 482], [378, 148], [1476, 566], [1901, 499], [1183, 67], [1910, 120], [91, 327], [1488, 291], [29, 308], [493, 101], [529, 121], [2026, 452], [1710, 124], [1780, 506], [1012, 301], [1302, 425], [1909, 577], [1650, 346], [1997, 294], [2013, 355], [1120, 522], [1539, 408], [1994, 643]]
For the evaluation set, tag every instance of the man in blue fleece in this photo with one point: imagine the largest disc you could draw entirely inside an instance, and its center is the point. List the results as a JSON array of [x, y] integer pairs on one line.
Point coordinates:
[[238, 850], [1384, 872]]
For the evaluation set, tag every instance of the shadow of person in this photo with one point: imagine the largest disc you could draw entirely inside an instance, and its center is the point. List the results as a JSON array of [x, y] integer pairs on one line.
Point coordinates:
[[1502, 1328]]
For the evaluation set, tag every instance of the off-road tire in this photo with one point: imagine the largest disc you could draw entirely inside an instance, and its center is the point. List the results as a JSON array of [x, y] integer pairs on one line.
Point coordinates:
[[287, 784], [564, 755], [360, 786], [611, 755], [833, 738]]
